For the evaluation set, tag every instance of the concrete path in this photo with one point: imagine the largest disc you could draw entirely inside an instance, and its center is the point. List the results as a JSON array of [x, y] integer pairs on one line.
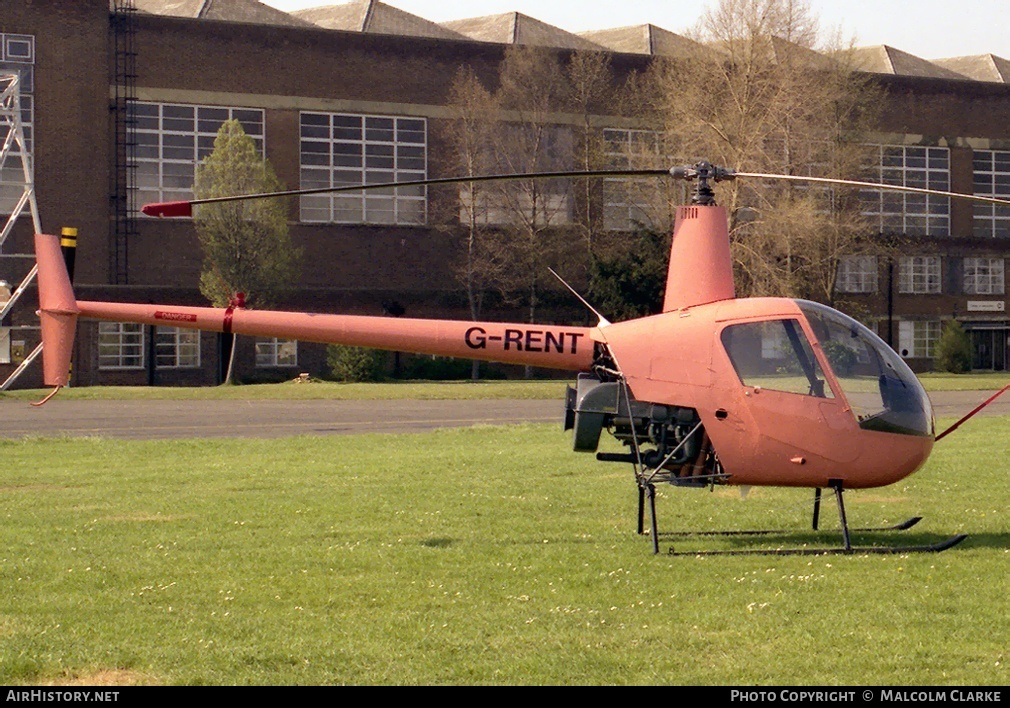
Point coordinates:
[[269, 419], [261, 419]]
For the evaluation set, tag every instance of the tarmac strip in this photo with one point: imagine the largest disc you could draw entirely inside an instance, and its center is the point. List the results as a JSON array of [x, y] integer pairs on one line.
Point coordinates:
[[270, 419]]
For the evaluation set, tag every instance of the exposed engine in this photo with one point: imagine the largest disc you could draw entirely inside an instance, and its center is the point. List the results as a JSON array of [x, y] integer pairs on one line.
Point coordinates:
[[659, 437]]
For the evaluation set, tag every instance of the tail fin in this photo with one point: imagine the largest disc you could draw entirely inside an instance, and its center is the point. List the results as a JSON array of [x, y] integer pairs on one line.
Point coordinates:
[[57, 310]]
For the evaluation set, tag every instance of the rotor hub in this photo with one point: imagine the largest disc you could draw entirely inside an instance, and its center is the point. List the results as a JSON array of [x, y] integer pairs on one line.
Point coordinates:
[[703, 172]]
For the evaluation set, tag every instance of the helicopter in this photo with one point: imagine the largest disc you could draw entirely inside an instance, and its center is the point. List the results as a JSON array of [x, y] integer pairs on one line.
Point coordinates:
[[714, 390]]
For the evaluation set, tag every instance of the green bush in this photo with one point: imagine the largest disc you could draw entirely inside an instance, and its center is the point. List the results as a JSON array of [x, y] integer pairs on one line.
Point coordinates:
[[356, 364], [841, 357], [953, 350], [439, 368]]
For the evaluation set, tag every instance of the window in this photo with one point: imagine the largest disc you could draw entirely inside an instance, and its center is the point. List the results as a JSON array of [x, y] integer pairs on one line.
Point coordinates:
[[629, 201], [343, 150], [120, 345], [881, 390], [857, 274], [775, 355], [172, 139], [515, 203], [276, 352], [17, 56], [992, 179], [176, 348], [916, 339], [906, 212], [919, 275], [983, 276], [523, 202]]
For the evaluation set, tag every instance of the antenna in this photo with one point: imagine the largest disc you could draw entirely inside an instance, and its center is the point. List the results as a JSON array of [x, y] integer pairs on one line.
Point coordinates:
[[604, 322]]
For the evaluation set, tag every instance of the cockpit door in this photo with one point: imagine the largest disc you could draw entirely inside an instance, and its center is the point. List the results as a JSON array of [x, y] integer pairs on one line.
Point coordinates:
[[787, 392]]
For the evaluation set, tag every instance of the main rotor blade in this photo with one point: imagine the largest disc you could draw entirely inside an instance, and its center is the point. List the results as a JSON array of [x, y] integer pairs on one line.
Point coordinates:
[[186, 208], [875, 185], [701, 171]]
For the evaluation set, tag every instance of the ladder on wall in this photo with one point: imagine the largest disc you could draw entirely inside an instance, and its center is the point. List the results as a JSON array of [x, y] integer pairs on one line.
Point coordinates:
[[16, 159]]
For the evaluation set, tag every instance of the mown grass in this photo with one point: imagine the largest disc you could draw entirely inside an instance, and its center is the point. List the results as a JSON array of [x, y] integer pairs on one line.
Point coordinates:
[[487, 555], [974, 381], [404, 390]]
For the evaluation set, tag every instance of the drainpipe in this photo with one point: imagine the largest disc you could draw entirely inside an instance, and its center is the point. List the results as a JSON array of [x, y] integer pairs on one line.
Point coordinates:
[[890, 303]]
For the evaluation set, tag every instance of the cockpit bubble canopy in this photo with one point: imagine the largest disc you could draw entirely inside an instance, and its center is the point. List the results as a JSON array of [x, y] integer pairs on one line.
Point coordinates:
[[881, 389]]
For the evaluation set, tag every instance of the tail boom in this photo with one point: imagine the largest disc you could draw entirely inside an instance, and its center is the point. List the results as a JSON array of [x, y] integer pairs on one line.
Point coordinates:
[[548, 346]]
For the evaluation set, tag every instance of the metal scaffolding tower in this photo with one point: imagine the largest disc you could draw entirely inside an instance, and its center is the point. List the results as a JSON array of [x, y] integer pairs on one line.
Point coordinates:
[[15, 158]]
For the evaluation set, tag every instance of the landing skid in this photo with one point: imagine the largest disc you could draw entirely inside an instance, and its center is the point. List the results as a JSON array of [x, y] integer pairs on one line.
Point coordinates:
[[647, 493], [852, 550], [903, 526]]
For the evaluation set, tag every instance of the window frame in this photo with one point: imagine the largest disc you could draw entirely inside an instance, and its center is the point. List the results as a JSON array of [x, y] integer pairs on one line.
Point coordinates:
[[622, 150], [169, 344], [378, 150], [857, 274], [115, 334], [269, 352], [991, 178], [909, 213], [12, 177], [982, 275], [160, 168], [917, 338], [920, 275]]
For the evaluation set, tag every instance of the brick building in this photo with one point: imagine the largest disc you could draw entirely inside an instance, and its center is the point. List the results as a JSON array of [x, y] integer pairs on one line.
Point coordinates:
[[122, 99]]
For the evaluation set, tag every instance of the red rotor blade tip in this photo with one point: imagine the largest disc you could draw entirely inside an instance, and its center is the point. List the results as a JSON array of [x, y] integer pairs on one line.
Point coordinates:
[[168, 209]]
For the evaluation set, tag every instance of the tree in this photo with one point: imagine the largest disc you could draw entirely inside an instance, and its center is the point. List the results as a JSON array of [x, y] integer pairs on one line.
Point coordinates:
[[469, 137], [954, 352], [630, 282], [527, 212], [510, 228], [589, 91], [763, 94], [246, 246], [355, 364]]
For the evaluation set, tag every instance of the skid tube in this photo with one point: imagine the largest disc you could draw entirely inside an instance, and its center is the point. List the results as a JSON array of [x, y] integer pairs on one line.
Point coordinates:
[[847, 547]]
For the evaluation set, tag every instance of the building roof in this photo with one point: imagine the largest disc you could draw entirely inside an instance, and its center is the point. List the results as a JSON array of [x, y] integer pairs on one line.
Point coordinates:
[[517, 28], [981, 67], [249, 11], [643, 39], [883, 59], [374, 17]]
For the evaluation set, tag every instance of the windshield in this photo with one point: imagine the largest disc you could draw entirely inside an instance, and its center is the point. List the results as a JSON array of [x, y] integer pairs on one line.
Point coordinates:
[[882, 391]]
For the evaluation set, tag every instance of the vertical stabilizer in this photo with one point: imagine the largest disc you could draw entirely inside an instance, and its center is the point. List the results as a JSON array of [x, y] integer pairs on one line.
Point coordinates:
[[701, 270], [57, 310]]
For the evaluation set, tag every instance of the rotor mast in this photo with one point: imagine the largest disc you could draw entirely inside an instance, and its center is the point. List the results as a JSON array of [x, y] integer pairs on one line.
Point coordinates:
[[701, 268]]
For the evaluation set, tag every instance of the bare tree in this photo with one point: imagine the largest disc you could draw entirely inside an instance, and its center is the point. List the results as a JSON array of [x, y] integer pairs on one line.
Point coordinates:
[[589, 91], [765, 96], [528, 212], [469, 135]]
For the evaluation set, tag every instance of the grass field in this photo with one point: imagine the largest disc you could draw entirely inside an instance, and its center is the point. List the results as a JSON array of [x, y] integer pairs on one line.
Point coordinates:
[[417, 390], [476, 556]]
